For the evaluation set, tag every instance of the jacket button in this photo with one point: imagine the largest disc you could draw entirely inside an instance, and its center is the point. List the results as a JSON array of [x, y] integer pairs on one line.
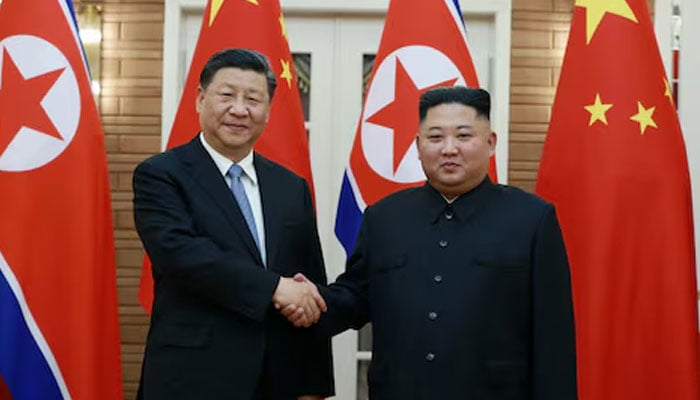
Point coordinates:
[[437, 278], [443, 243], [432, 315], [449, 215], [429, 357]]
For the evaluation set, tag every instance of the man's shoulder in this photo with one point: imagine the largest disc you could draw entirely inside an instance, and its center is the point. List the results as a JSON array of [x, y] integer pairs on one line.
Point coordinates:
[[516, 196], [401, 197], [170, 155], [264, 165], [159, 161]]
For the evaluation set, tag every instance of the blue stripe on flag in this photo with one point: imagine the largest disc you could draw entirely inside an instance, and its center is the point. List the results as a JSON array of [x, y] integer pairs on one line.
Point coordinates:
[[349, 217], [22, 365], [459, 10], [76, 28], [74, 19]]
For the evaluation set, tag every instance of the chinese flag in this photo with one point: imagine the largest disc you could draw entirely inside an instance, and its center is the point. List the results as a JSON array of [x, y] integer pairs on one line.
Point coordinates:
[[59, 332], [614, 165], [257, 25], [412, 59]]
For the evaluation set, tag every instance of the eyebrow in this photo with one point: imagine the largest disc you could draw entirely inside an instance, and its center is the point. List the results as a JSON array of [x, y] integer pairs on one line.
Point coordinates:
[[432, 128]]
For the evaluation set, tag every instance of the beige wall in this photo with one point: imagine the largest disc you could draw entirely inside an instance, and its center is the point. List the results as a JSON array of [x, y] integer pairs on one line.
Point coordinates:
[[540, 31], [131, 106]]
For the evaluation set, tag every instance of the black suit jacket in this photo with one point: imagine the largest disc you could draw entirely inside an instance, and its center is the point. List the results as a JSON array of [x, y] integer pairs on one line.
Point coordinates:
[[469, 300], [214, 332]]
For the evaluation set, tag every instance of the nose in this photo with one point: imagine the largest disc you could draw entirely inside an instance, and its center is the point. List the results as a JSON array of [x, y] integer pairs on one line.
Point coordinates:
[[238, 108], [449, 145]]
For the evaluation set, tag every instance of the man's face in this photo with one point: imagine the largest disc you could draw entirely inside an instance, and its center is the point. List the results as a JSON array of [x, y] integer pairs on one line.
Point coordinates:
[[233, 110], [454, 146]]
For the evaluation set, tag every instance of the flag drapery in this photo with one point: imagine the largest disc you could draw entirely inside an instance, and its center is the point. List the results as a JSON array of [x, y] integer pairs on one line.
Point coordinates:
[[411, 59], [614, 165], [256, 25], [59, 332]]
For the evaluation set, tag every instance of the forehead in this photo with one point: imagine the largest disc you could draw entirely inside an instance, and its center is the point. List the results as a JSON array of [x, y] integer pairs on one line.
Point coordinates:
[[450, 112], [243, 79]]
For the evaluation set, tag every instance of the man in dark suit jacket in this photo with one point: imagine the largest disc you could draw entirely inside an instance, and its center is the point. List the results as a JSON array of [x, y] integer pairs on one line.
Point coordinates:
[[466, 283], [220, 260]]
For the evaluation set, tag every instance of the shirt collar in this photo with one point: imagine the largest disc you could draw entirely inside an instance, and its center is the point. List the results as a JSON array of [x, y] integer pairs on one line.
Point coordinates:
[[461, 207], [223, 164]]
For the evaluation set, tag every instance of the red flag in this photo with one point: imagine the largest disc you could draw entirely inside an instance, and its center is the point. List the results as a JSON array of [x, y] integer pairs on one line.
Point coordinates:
[[411, 59], [59, 332], [257, 25], [614, 165]]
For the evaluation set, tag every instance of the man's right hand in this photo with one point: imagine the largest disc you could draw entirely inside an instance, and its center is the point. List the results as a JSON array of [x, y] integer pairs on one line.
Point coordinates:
[[299, 300]]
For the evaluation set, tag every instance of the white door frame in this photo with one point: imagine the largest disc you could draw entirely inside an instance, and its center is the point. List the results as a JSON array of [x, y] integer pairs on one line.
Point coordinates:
[[688, 89], [662, 27]]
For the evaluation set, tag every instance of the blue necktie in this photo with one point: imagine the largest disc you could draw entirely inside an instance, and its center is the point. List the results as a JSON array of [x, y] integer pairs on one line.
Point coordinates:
[[239, 193]]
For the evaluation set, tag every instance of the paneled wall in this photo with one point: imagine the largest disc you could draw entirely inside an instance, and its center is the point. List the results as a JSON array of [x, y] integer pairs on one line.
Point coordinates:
[[131, 104], [132, 55], [540, 32]]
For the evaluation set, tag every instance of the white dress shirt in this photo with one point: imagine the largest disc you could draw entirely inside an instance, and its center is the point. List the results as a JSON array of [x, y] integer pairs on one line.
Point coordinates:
[[249, 178]]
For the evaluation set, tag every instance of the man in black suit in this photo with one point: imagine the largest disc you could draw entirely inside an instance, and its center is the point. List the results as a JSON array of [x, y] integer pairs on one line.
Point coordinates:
[[466, 283], [225, 228]]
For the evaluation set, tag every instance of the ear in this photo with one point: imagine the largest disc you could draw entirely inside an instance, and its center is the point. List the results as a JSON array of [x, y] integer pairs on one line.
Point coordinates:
[[199, 99], [418, 144], [492, 143]]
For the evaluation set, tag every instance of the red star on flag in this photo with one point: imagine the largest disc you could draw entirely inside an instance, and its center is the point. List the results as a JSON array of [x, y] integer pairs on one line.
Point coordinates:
[[23, 97], [402, 114]]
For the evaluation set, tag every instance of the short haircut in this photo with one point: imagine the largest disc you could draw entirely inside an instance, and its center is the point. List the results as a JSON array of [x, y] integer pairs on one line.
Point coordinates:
[[245, 59], [479, 99]]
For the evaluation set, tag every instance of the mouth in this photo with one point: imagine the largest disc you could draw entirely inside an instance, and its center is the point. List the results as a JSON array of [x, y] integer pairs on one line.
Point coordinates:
[[236, 127]]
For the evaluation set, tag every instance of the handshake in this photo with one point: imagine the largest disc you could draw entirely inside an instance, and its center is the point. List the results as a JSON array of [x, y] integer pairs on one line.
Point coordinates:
[[299, 301]]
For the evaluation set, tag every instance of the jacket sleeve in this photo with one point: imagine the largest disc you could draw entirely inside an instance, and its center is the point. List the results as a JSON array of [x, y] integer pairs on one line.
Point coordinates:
[[554, 344], [181, 256], [315, 368], [348, 297]]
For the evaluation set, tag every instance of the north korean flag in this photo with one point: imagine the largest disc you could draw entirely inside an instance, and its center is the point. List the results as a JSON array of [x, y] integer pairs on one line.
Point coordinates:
[[59, 332], [423, 46]]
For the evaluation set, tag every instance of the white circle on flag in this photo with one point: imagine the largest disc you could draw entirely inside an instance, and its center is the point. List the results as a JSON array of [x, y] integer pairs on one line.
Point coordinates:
[[31, 149], [426, 66]]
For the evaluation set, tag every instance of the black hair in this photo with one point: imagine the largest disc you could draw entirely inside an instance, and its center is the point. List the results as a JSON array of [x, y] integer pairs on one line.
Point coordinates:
[[245, 59], [479, 99]]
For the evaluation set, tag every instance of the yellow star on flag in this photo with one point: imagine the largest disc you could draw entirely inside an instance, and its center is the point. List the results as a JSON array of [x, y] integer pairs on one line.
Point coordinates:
[[668, 92], [284, 28], [598, 110], [215, 7], [644, 117], [286, 73], [596, 10], [252, 2]]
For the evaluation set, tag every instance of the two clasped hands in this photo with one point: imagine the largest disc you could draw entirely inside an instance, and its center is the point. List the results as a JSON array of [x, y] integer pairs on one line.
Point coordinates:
[[299, 301]]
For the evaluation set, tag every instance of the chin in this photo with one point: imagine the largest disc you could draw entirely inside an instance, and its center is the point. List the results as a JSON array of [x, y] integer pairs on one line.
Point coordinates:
[[452, 179]]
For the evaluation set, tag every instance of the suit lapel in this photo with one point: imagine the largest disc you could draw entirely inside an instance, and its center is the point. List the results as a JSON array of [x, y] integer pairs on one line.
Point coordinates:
[[204, 172], [271, 199]]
